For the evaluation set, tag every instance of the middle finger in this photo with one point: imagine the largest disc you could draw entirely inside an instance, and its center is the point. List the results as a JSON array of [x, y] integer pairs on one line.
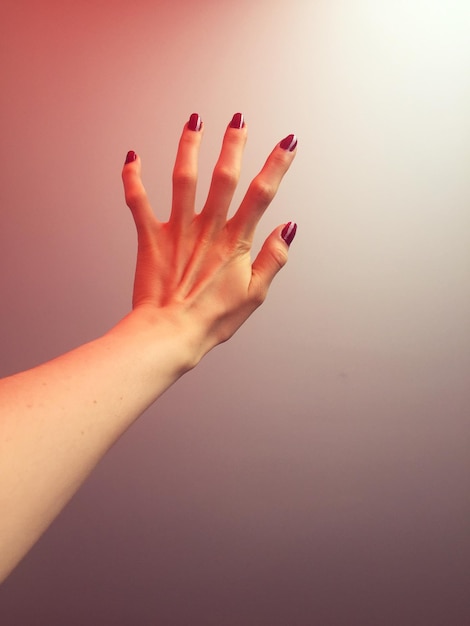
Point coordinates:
[[226, 172]]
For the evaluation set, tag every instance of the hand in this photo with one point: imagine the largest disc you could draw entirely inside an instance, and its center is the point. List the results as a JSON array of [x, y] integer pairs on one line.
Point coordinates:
[[194, 286], [197, 266]]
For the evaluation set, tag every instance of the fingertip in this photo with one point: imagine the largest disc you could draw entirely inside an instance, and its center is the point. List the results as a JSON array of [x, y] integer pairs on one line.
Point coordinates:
[[288, 233], [192, 133], [130, 157], [289, 143], [131, 166], [272, 257], [134, 191], [237, 121], [195, 123]]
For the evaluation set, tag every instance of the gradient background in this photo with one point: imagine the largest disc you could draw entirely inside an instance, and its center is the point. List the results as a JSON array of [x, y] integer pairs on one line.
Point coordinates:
[[315, 470]]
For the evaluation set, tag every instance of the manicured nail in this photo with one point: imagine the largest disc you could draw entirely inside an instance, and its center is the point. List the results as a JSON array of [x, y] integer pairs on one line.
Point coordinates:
[[289, 143], [195, 122], [288, 232], [237, 121], [131, 156]]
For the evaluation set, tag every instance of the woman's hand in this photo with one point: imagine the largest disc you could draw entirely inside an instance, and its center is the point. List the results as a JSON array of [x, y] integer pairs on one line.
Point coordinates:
[[194, 285], [196, 268]]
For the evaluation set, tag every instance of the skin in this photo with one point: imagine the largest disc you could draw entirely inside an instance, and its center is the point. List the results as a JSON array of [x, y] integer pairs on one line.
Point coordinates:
[[194, 287]]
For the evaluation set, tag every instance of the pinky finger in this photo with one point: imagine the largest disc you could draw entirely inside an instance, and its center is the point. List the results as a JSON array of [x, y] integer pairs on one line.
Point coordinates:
[[134, 191]]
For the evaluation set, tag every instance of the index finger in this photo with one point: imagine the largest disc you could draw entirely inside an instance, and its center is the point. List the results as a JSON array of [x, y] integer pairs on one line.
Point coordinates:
[[263, 188]]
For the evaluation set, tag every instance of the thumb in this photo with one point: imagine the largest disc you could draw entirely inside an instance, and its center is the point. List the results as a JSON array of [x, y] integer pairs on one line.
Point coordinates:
[[271, 258]]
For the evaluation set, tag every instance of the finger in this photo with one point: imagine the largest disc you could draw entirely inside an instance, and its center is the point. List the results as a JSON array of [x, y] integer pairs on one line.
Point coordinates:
[[185, 170], [263, 189], [270, 260], [134, 191], [227, 171]]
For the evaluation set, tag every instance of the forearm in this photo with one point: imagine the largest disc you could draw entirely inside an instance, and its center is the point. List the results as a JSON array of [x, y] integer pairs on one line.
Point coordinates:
[[195, 284], [59, 419]]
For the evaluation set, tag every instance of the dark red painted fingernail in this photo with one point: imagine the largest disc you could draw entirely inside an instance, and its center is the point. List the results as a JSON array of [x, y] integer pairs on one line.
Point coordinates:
[[288, 232], [131, 156], [195, 122], [289, 143], [237, 121]]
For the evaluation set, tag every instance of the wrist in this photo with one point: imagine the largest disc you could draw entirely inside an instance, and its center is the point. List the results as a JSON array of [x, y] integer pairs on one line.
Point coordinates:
[[168, 343]]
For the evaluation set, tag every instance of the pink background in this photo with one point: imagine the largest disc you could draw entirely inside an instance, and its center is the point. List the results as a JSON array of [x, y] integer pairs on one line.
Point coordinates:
[[315, 469]]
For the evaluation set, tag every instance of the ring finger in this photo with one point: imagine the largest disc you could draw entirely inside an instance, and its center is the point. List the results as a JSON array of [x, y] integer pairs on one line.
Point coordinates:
[[185, 171]]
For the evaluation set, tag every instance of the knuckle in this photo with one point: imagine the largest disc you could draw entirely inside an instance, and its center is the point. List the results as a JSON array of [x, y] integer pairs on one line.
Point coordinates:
[[279, 158], [226, 176], [183, 177], [262, 191], [259, 296], [134, 197], [279, 256], [223, 334], [258, 292]]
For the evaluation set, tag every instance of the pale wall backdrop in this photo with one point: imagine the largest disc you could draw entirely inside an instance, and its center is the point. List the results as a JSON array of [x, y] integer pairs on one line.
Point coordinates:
[[315, 470]]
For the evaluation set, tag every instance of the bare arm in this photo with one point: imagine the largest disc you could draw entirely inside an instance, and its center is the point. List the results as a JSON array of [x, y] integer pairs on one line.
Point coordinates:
[[195, 284]]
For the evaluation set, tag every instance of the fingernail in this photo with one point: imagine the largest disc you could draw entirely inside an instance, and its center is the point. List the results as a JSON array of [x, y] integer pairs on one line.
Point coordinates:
[[288, 232], [131, 156], [195, 122], [237, 121], [289, 143]]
